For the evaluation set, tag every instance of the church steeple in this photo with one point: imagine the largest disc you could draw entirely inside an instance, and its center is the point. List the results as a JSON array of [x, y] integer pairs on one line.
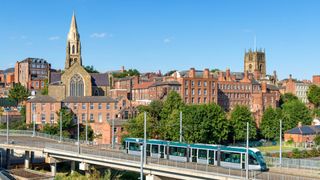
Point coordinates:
[[73, 50]]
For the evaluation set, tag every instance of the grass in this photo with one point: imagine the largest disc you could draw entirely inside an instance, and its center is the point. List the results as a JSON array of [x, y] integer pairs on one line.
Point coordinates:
[[274, 148]]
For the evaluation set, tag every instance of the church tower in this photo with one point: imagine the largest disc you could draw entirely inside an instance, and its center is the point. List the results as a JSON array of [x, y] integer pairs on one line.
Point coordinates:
[[73, 49], [255, 62]]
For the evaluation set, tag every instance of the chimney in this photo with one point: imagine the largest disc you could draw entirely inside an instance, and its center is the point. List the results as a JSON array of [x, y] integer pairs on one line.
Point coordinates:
[[228, 77], [299, 124], [221, 77], [264, 87], [192, 73], [245, 77], [206, 73]]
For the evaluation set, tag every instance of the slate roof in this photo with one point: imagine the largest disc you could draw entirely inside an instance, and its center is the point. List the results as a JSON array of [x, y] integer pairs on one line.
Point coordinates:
[[99, 79], [55, 77], [42, 99], [305, 130], [88, 99]]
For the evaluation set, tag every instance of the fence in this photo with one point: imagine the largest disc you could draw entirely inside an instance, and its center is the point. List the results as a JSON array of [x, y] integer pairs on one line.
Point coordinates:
[[293, 163]]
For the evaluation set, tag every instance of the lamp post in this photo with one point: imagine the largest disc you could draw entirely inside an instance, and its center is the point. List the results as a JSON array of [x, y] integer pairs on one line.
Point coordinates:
[[280, 153], [34, 117], [141, 158], [247, 153], [180, 126], [60, 126], [145, 139], [7, 126]]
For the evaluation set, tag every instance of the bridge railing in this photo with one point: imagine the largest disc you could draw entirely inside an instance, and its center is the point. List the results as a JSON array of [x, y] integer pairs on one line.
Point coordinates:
[[293, 163], [43, 135]]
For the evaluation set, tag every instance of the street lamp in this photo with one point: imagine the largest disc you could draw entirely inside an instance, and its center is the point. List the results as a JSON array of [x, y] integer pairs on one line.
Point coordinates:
[[141, 158], [280, 155]]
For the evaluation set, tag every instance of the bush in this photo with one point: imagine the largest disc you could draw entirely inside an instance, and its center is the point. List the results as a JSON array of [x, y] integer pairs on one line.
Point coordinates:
[[296, 153]]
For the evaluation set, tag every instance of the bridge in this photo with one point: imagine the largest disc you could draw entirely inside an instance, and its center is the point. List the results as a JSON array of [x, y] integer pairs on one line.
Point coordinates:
[[95, 155]]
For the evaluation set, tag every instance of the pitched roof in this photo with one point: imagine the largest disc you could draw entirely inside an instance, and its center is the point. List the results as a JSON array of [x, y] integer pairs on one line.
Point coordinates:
[[166, 83], [305, 130], [88, 99], [99, 79], [42, 99]]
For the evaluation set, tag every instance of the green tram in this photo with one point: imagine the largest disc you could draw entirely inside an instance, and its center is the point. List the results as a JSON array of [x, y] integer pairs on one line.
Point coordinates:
[[218, 155]]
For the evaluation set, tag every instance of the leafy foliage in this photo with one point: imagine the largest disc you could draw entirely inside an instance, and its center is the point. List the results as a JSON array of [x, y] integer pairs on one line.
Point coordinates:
[[18, 93], [214, 70], [317, 140], [240, 115], [294, 112], [125, 73], [270, 123], [172, 102], [314, 95], [90, 69], [287, 97], [169, 73]]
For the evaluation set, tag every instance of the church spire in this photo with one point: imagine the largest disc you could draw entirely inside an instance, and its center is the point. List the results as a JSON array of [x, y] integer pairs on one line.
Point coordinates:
[[73, 50]]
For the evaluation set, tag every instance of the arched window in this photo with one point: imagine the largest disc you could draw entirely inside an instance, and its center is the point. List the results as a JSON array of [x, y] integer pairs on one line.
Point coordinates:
[[73, 49], [260, 67], [76, 86]]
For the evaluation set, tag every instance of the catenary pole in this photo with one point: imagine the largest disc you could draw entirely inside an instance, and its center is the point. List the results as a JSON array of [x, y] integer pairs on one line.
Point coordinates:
[[180, 126], [247, 153]]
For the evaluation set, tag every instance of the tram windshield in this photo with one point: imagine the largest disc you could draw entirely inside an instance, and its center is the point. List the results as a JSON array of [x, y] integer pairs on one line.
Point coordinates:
[[260, 157]]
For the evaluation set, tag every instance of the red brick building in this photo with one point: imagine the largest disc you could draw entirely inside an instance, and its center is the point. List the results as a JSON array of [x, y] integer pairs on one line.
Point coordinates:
[[302, 133], [316, 79]]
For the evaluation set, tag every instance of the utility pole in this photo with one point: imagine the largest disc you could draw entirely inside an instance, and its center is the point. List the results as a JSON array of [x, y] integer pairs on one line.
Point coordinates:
[[145, 139], [7, 127], [180, 126], [112, 141], [60, 126], [247, 153], [280, 154]]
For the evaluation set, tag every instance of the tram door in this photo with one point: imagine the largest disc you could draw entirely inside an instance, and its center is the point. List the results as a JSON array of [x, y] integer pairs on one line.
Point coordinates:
[[211, 157], [243, 161], [194, 155], [162, 151]]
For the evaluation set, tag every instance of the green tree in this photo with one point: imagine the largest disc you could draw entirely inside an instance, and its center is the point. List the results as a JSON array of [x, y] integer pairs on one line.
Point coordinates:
[[270, 123], [125, 73], [18, 93], [135, 127], [169, 73], [214, 70], [172, 102], [317, 140], [90, 69], [314, 95], [240, 115], [294, 112], [153, 109], [45, 90], [287, 97]]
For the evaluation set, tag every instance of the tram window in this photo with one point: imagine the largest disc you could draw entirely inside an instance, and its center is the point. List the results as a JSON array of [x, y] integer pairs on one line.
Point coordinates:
[[230, 157], [194, 152], [253, 160], [211, 154], [202, 154], [178, 151], [134, 147], [161, 149], [155, 149]]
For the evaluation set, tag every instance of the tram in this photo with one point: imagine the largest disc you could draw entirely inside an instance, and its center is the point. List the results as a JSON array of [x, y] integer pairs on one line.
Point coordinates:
[[218, 155]]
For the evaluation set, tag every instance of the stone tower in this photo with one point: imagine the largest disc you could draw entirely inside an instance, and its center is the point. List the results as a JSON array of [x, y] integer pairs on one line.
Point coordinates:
[[73, 50], [255, 62]]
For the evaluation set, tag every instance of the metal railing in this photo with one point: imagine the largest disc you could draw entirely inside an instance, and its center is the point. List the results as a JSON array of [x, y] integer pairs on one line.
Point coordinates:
[[293, 163]]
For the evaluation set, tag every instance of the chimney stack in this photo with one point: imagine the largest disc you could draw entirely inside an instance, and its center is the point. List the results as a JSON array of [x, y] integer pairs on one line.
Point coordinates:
[[206, 73], [192, 73], [264, 87]]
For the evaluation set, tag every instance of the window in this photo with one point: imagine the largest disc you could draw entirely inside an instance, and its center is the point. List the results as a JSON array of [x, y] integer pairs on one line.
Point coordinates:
[[75, 106], [205, 91], [100, 118], [83, 117], [43, 118], [91, 118], [115, 106], [205, 100], [192, 83], [76, 86], [33, 106], [199, 83], [192, 91], [52, 118], [205, 83], [91, 105], [42, 84], [199, 92], [37, 84], [192, 100], [84, 105], [108, 116], [124, 103], [178, 151], [42, 106], [202, 154], [199, 100], [99, 106], [108, 106], [230, 157], [186, 100], [186, 83], [186, 92]]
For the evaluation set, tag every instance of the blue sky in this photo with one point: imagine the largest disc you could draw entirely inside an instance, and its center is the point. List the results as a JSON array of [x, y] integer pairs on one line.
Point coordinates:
[[153, 35]]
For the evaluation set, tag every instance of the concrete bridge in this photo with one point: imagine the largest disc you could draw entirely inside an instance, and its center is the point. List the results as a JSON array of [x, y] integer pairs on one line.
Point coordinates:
[[55, 152]]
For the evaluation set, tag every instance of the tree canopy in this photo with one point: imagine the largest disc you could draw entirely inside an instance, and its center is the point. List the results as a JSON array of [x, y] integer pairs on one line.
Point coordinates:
[[18, 93], [294, 112], [287, 97], [240, 115], [126, 73], [270, 123], [90, 69], [314, 95]]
